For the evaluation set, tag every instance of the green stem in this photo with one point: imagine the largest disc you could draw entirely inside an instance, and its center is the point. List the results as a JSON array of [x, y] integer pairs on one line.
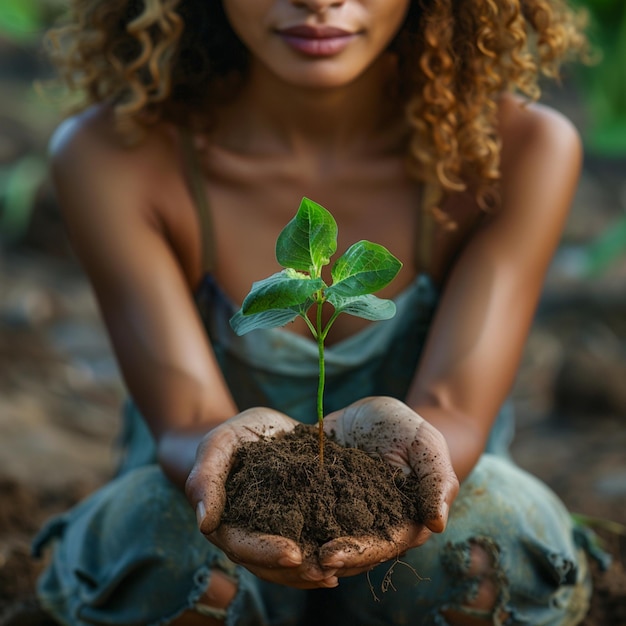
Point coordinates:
[[311, 327], [322, 376], [334, 316]]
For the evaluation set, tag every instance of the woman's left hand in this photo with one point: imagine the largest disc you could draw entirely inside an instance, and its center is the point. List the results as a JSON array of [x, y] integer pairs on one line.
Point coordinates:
[[388, 427]]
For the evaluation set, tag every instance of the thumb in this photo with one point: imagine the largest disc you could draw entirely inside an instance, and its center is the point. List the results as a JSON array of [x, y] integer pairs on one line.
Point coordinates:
[[440, 492], [205, 487]]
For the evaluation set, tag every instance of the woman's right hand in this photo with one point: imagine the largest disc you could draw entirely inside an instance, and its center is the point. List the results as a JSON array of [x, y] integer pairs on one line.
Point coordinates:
[[270, 557]]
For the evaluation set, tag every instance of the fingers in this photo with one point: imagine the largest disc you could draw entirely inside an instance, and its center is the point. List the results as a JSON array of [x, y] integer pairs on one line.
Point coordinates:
[[353, 555], [279, 560], [308, 575], [429, 459], [273, 558], [256, 549], [439, 493], [205, 486], [294, 578]]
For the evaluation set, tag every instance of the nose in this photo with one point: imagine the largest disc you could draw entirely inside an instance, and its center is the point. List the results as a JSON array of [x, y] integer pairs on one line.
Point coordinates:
[[318, 6]]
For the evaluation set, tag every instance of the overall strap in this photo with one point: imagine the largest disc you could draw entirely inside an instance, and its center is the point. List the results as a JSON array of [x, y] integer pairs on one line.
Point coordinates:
[[197, 185], [425, 229]]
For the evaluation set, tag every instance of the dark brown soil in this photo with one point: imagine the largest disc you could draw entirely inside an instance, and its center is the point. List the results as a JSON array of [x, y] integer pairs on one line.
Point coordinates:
[[608, 605], [278, 486]]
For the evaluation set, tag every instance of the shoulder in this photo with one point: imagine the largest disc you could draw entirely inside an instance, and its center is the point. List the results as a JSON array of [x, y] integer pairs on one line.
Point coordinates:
[[540, 168], [537, 137], [83, 136], [88, 138], [117, 199], [534, 121], [96, 174], [541, 162], [103, 183]]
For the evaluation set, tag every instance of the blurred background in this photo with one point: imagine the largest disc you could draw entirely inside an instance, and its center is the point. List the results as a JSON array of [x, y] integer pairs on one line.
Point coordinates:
[[60, 390]]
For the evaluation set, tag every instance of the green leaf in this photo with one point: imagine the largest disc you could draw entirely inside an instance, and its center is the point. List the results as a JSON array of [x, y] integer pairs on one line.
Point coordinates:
[[243, 324], [309, 240], [364, 268], [280, 291], [367, 306]]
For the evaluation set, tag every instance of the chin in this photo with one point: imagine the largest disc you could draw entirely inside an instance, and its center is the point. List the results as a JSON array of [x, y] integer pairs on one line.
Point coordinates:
[[321, 79]]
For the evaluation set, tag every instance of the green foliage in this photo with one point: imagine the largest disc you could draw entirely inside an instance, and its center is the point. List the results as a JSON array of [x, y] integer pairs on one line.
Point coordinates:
[[362, 269], [309, 240], [606, 249], [24, 20], [603, 89], [603, 85], [24, 113], [19, 18], [20, 183], [280, 291], [303, 248], [367, 306]]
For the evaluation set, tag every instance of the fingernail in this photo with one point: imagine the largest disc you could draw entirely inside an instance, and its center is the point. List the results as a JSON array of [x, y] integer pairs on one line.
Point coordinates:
[[200, 513], [287, 561], [333, 565]]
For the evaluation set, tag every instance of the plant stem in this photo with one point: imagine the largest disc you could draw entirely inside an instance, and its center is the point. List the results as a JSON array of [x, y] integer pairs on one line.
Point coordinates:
[[321, 381]]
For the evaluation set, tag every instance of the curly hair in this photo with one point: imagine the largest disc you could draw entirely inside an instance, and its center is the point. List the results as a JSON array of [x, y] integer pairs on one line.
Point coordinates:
[[170, 59]]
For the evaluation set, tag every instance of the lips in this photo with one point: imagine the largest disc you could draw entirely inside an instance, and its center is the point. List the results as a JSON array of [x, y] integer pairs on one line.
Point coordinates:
[[316, 41], [315, 32]]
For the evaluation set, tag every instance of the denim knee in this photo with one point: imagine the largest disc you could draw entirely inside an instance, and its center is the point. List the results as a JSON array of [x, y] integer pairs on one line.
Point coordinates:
[[539, 573], [129, 554]]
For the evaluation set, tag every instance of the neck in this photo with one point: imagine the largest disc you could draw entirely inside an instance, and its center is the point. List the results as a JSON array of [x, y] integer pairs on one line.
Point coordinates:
[[272, 116]]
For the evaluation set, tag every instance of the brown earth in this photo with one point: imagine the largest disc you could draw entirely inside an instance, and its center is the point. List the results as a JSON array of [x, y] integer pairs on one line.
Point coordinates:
[[278, 486]]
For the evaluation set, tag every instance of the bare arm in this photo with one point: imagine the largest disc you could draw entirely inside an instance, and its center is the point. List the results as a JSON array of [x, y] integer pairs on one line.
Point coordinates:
[[477, 339], [111, 211]]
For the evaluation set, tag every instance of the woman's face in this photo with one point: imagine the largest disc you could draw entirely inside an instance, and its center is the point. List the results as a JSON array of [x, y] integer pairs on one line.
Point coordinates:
[[316, 43]]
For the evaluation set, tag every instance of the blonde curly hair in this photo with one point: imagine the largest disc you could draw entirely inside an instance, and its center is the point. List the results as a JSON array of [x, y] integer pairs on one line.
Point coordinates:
[[170, 59]]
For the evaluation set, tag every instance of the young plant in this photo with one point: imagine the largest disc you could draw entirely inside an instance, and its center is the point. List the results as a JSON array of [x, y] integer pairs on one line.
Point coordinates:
[[303, 248]]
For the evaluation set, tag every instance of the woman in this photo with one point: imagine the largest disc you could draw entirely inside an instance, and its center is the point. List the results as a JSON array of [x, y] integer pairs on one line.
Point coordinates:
[[204, 124]]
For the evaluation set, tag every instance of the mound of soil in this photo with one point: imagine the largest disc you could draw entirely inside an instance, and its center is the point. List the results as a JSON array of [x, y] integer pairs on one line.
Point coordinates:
[[278, 486]]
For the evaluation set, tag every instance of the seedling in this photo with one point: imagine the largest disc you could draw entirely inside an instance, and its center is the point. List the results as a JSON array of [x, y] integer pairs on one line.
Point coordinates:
[[303, 248]]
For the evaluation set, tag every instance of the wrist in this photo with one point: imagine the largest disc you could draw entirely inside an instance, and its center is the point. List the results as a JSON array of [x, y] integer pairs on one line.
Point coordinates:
[[176, 453], [466, 440]]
